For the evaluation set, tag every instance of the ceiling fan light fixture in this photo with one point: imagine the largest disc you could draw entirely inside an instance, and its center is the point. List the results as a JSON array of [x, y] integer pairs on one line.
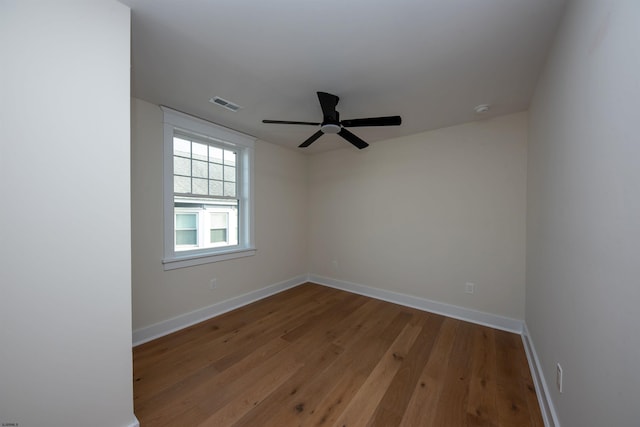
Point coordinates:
[[330, 128]]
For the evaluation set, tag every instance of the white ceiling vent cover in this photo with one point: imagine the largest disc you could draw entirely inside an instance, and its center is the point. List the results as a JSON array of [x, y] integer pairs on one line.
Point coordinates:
[[224, 103]]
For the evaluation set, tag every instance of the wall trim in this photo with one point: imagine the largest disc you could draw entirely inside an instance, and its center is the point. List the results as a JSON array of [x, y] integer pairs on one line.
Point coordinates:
[[165, 327], [457, 312], [547, 408], [135, 423]]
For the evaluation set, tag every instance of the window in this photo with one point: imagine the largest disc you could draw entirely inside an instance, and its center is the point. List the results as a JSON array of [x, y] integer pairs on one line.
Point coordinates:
[[186, 230], [219, 228], [208, 192]]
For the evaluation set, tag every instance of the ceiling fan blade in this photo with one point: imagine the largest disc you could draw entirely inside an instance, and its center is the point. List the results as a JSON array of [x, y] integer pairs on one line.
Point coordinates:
[[287, 122], [328, 104], [353, 139], [373, 121], [311, 139]]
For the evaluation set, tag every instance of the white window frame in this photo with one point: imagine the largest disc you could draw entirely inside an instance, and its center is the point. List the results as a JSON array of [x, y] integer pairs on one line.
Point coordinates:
[[176, 121]]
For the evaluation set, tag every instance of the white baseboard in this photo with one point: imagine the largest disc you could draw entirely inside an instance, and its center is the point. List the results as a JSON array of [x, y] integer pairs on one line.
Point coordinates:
[[135, 423], [461, 313], [542, 391], [157, 330]]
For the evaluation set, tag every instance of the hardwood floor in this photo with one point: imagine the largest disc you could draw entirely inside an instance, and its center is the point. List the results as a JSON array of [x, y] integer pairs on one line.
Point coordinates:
[[316, 356]]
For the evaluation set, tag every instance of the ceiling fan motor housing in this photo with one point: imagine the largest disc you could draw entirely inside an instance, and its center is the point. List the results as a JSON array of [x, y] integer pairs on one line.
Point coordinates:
[[331, 122], [330, 128]]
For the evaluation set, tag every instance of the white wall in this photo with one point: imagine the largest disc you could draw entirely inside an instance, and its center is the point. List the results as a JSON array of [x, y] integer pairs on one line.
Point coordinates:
[[584, 215], [424, 214], [280, 227], [65, 316]]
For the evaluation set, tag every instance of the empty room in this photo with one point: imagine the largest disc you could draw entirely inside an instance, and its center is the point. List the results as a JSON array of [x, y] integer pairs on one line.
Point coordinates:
[[296, 213]]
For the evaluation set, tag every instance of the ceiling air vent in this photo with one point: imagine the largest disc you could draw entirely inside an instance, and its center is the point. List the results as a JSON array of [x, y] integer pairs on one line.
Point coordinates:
[[224, 103]]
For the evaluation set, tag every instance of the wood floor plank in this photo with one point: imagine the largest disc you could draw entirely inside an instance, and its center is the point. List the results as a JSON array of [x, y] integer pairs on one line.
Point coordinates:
[[159, 349], [530, 390], [481, 408], [343, 379], [272, 326], [513, 408], [211, 329], [224, 348], [423, 403], [268, 411], [360, 322], [321, 322], [317, 356], [363, 405], [261, 387], [451, 409], [162, 400], [291, 403], [397, 396], [532, 402], [333, 400], [214, 391]]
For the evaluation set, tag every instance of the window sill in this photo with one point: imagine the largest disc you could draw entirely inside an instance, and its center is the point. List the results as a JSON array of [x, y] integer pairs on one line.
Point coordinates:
[[199, 259]]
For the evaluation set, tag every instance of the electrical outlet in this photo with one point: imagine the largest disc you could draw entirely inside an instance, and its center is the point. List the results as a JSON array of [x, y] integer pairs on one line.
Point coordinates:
[[559, 377], [213, 284], [470, 287]]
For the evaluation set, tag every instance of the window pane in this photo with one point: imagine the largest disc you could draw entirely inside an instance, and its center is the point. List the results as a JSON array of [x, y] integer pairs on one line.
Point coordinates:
[[215, 171], [230, 173], [199, 169], [200, 186], [230, 189], [219, 219], [181, 147], [215, 154], [229, 158], [186, 237], [199, 151], [186, 221], [215, 188], [181, 166], [218, 235], [181, 184]]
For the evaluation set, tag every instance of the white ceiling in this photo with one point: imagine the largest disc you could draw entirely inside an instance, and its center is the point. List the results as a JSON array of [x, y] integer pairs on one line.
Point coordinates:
[[429, 61]]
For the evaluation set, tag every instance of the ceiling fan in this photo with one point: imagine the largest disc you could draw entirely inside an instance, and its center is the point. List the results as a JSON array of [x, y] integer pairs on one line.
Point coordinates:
[[331, 122]]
